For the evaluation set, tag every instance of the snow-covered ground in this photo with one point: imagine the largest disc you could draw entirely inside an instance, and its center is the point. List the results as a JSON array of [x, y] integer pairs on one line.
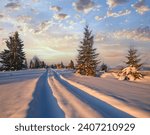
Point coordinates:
[[16, 90], [61, 93], [131, 97]]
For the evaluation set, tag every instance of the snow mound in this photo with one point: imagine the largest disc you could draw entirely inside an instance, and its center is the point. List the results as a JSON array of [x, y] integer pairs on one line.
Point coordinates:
[[129, 73], [109, 75]]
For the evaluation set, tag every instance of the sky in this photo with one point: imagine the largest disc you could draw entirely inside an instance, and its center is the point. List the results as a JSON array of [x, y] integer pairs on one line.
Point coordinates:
[[53, 29]]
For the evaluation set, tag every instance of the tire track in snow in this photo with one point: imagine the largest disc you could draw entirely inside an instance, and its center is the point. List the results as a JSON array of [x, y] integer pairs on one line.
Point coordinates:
[[44, 104], [72, 106], [104, 109]]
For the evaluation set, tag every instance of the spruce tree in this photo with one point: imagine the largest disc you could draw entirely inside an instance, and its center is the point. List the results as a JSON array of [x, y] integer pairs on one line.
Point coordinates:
[[133, 58], [19, 54], [13, 58], [71, 65], [31, 64], [133, 65], [62, 65], [87, 58], [26, 64], [37, 63]]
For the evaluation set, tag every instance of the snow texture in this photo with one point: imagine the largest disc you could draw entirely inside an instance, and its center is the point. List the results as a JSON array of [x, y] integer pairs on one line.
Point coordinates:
[[61, 93]]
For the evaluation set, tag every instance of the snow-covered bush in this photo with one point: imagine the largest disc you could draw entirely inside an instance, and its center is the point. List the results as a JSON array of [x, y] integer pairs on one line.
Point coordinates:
[[129, 73]]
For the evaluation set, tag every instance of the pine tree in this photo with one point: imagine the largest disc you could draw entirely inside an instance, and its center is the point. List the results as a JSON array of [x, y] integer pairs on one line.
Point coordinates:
[[133, 65], [13, 57], [25, 64], [31, 64], [87, 58], [37, 63], [18, 52], [133, 58], [71, 65], [62, 65], [7, 55]]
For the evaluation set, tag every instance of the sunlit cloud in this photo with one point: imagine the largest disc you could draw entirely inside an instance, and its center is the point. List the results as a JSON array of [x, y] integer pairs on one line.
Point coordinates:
[[139, 34], [114, 3], [99, 37], [35, 0], [71, 22], [140, 7], [43, 26], [84, 6], [24, 18], [1, 29], [118, 14], [53, 29], [55, 8], [98, 18], [13, 5], [1, 16], [35, 11], [60, 16]]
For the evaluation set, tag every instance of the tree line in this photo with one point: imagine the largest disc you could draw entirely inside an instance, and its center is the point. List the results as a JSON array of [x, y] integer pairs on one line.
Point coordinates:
[[13, 58]]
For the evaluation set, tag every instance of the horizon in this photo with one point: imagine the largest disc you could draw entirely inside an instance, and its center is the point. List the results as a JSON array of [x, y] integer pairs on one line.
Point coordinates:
[[52, 30]]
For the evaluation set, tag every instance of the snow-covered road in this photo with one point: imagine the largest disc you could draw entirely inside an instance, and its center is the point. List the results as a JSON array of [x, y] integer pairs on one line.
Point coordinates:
[[89, 103], [48, 94]]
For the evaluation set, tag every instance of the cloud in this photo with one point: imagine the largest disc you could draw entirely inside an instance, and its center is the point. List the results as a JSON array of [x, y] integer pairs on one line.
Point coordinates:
[[1, 16], [140, 7], [118, 14], [84, 5], [35, 0], [113, 14], [82, 21], [24, 18], [113, 54], [99, 18], [71, 37], [13, 5], [114, 3], [60, 16], [139, 34], [99, 37], [55, 8], [71, 22], [35, 11], [43, 26], [1, 29]]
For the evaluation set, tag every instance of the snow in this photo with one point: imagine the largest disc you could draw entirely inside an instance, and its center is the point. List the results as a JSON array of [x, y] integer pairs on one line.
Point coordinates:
[[44, 103], [130, 73], [61, 93], [16, 90], [104, 109], [15, 97], [69, 103], [130, 97], [16, 76]]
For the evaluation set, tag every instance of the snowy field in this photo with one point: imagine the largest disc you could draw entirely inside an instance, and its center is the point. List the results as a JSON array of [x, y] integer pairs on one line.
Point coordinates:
[[61, 93]]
